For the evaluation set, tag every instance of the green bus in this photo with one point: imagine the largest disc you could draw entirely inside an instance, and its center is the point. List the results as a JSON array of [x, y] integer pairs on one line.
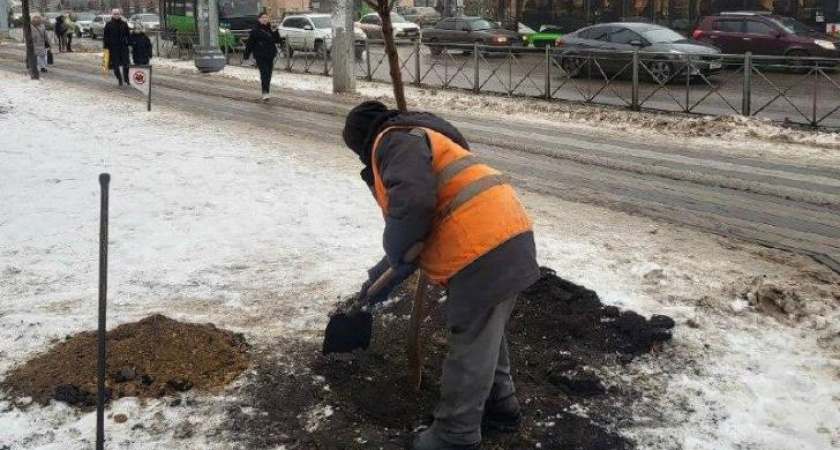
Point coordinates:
[[234, 16]]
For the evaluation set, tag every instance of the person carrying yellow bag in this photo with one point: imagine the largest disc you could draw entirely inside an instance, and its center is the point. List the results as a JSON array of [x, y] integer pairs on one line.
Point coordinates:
[[106, 61]]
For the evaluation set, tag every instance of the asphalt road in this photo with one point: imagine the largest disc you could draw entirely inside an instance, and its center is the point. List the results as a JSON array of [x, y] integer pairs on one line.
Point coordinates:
[[777, 204], [775, 93]]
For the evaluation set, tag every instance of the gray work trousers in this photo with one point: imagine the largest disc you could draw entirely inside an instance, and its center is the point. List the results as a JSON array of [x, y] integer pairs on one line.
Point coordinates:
[[476, 368]]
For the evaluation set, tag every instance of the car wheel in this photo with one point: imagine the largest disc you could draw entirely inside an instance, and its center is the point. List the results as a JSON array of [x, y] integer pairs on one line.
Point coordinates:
[[572, 65], [661, 71], [435, 48], [797, 64]]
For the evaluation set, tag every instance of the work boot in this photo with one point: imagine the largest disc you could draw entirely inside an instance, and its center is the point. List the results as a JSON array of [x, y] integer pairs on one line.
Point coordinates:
[[502, 414], [428, 440]]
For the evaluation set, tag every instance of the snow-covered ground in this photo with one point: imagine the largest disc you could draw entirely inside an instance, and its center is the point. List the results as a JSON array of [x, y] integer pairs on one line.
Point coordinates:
[[260, 233]]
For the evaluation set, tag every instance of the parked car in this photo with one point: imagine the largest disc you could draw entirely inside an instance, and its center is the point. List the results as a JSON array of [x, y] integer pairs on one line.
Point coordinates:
[[97, 25], [83, 21], [150, 21], [765, 34], [371, 24], [612, 46], [49, 20], [421, 15], [313, 33], [540, 39], [468, 30], [16, 16]]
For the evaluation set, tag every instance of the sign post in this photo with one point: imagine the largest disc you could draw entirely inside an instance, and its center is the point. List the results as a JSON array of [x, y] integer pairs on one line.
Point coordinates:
[[141, 79]]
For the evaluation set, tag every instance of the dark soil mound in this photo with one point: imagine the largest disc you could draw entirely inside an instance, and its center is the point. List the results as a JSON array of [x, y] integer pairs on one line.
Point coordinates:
[[560, 336], [150, 358]]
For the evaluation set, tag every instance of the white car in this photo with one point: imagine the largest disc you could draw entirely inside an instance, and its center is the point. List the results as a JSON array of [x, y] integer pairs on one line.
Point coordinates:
[[307, 32], [150, 21], [97, 25], [403, 29], [83, 22]]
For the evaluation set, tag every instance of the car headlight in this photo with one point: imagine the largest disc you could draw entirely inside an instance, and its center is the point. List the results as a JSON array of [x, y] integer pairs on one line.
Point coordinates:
[[500, 39], [828, 45]]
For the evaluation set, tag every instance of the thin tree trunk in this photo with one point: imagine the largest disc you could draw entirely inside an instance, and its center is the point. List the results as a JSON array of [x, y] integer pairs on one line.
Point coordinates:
[[30, 46], [384, 10]]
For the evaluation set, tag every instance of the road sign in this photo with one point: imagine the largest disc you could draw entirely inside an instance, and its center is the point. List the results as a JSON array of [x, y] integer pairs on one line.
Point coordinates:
[[141, 79]]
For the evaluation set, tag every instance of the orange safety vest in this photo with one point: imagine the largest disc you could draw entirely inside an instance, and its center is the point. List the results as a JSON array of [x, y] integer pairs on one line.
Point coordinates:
[[476, 209]]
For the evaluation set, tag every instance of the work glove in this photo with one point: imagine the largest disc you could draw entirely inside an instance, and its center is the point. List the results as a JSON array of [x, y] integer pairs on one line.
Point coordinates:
[[401, 272]]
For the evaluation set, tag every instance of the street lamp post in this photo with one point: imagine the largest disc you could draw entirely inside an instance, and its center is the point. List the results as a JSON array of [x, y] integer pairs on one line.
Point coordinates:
[[208, 56]]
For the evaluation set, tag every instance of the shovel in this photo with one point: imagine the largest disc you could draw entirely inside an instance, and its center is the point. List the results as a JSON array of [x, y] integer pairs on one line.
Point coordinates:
[[352, 329]]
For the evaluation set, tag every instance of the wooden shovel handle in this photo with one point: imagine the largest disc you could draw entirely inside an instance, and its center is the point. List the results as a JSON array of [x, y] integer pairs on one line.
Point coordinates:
[[415, 342], [412, 254]]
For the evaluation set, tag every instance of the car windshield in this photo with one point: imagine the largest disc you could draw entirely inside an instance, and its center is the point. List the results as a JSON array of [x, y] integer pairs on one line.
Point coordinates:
[[662, 36], [525, 29], [149, 18], [321, 22], [85, 16], [396, 18], [794, 26], [479, 25]]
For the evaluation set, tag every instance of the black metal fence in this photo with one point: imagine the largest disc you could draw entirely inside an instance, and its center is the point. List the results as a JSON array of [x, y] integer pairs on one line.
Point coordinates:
[[790, 89]]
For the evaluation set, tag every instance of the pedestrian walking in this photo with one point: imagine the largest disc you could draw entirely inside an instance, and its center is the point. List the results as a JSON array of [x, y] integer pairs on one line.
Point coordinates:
[[479, 244], [141, 46], [115, 39], [69, 30], [262, 43], [40, 41], [58, 29]]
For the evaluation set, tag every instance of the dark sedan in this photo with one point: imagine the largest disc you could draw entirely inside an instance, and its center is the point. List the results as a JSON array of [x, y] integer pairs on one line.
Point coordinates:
[[469, 31], [664, 54]]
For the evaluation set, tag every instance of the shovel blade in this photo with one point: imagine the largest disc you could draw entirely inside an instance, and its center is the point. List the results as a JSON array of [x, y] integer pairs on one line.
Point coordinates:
[[348, 332]]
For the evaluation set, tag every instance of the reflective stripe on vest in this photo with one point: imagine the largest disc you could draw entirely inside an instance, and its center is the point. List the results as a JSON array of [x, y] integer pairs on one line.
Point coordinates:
[[475, 211]]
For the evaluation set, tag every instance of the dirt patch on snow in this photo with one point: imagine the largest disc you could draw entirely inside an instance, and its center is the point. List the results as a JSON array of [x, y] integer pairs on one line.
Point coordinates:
[[561, 337], [150, 358]]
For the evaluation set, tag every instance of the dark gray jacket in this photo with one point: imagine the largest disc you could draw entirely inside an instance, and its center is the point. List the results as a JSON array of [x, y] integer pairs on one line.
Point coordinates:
[[405, 165]]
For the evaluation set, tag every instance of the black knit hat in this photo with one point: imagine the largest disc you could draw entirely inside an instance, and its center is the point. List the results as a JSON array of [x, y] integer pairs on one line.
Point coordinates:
[[361, 124]]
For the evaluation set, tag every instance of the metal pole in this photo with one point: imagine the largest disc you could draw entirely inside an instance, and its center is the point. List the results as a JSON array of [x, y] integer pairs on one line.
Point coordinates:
[[816, 91], [634, 90], [208, 57], [747, 86], [288, 55], [104, 182], [4, 18], [548, 72], [687, 107], [149, 104], [368, 74], [476, 74], [417, 62]]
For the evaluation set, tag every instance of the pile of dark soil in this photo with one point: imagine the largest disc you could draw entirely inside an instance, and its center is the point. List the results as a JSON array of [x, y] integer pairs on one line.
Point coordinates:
[[150, 358], [560, 336]]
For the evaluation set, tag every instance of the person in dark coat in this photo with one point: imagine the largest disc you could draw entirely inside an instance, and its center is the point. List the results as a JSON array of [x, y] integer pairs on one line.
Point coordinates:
[[478, 243], [116, 39], [262, 43], [141, 46], [59, 31]]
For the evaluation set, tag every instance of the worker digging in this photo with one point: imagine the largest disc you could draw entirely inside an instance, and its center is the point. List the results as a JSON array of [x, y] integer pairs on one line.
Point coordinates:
[[477, 241]]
